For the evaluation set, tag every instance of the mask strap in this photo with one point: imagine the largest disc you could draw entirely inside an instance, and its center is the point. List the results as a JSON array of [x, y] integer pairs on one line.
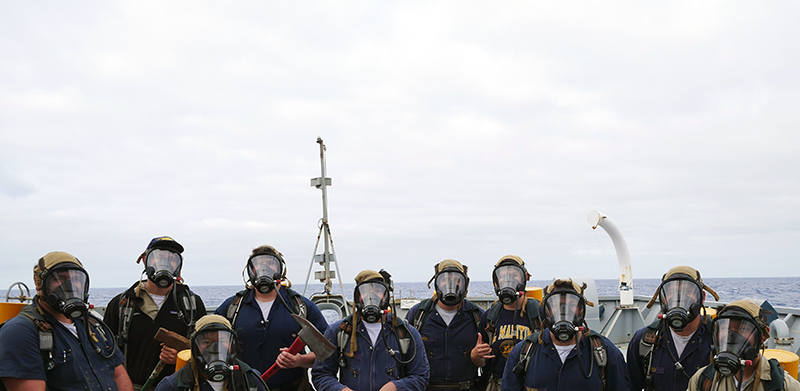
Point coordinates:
[[711, 291]]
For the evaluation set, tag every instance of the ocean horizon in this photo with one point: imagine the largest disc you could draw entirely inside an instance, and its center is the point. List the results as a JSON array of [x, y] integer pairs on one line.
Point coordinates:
[[779, 291]]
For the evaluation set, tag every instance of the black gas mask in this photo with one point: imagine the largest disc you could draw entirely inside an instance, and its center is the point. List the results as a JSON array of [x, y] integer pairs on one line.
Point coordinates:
[[214, 351], [736, 339], [681, 299], [264, 270], [509, 280], [451, 286], [564, 311], [66, 289], [163, 266], [372, 300]]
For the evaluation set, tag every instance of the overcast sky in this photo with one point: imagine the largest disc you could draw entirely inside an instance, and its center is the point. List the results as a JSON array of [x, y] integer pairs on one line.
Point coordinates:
[[465, 130]]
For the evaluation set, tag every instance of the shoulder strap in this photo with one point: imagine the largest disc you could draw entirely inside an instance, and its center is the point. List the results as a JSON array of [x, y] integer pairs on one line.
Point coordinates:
[[423, 311], [298, 304], [647, 345], [476, 314], [251, 378], [706, 378], [492, 316], [343, 338], [532, 308], [600, 353], [185, 378], [776, 373], [45, 331], [232, 312], [528, 348]]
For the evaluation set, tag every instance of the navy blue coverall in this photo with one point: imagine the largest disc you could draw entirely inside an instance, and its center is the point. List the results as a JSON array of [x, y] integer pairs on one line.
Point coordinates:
[[448, 346], [696, 355], [372, 366], [261, 340], [546, 372]]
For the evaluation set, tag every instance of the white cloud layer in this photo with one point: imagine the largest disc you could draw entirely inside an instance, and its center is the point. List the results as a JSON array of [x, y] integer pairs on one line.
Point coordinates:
[[462, 130]]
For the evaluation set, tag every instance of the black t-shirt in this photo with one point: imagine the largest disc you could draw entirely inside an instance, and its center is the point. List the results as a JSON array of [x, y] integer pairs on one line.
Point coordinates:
[[143, 349]]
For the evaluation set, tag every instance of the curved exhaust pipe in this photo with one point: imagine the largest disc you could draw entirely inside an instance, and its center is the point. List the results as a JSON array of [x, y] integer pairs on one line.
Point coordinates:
[[597, 219]]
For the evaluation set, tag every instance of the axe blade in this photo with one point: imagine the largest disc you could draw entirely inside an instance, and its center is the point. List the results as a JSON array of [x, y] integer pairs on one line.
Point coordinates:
[[315, 341]]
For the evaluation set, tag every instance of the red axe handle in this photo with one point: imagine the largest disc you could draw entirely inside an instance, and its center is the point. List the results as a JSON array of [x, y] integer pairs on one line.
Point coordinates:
[[296, 347]]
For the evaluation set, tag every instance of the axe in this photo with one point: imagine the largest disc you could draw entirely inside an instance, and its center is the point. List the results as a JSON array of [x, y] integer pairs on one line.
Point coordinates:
[[307, 336], [171, 339]]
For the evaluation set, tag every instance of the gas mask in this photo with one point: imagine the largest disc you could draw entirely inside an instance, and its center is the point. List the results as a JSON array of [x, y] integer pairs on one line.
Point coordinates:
[[564, 311], [263, 270], [372, 299], [66, 289], [451, 286], [163, 266], [213, 349], [681, 300], [509, 282], [737, 340]]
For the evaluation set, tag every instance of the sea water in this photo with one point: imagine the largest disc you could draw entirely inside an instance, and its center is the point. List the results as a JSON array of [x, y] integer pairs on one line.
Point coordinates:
[[779, 291]]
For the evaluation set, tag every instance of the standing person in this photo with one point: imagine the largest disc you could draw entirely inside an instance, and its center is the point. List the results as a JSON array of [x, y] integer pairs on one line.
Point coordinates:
[[739, 332], [81, 354], [261, 316], [566, 355], [448, 324], [160, 300], [214, 365], [664, 355], [375, 351], [507, 322]]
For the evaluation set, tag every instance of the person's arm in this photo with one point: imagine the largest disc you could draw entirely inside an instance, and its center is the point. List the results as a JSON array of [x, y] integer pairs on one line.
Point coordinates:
[[122, 379], [634, 362], [14, 384], [287, 360], [616, 370]]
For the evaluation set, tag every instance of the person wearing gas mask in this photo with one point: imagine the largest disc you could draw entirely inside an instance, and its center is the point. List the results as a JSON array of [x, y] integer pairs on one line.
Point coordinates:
[[448, 324], [566, 355], [161, 299], [374, 350], [57, 343], [214, 365], [664, 355], [261, 316], [508, 321], [738, 335]]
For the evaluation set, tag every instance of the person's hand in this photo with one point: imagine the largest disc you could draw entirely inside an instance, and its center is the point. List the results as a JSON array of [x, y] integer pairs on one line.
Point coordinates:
[[168, 355], [389, 387], [286, 360], [481, 352]]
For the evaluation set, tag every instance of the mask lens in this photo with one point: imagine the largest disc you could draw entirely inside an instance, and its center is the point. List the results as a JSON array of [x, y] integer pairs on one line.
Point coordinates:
[[265, 266], [451, 282], [164, 260], [564, 307], [735, 335], [68, 284], [509, 277], [373, 294], [680, 293], [215, 345]]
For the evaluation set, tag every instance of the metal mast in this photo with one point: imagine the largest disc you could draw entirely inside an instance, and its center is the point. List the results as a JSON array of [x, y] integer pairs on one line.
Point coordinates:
[[329, 255]]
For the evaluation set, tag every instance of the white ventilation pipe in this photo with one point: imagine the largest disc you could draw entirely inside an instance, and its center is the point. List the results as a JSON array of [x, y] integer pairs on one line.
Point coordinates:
[[597, 219]]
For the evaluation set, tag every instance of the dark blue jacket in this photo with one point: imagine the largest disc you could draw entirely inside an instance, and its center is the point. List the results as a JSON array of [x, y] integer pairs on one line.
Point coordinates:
[[448, 347], [546, 372], [372, 366], [696, 355], [260, 341], [77, 366]]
